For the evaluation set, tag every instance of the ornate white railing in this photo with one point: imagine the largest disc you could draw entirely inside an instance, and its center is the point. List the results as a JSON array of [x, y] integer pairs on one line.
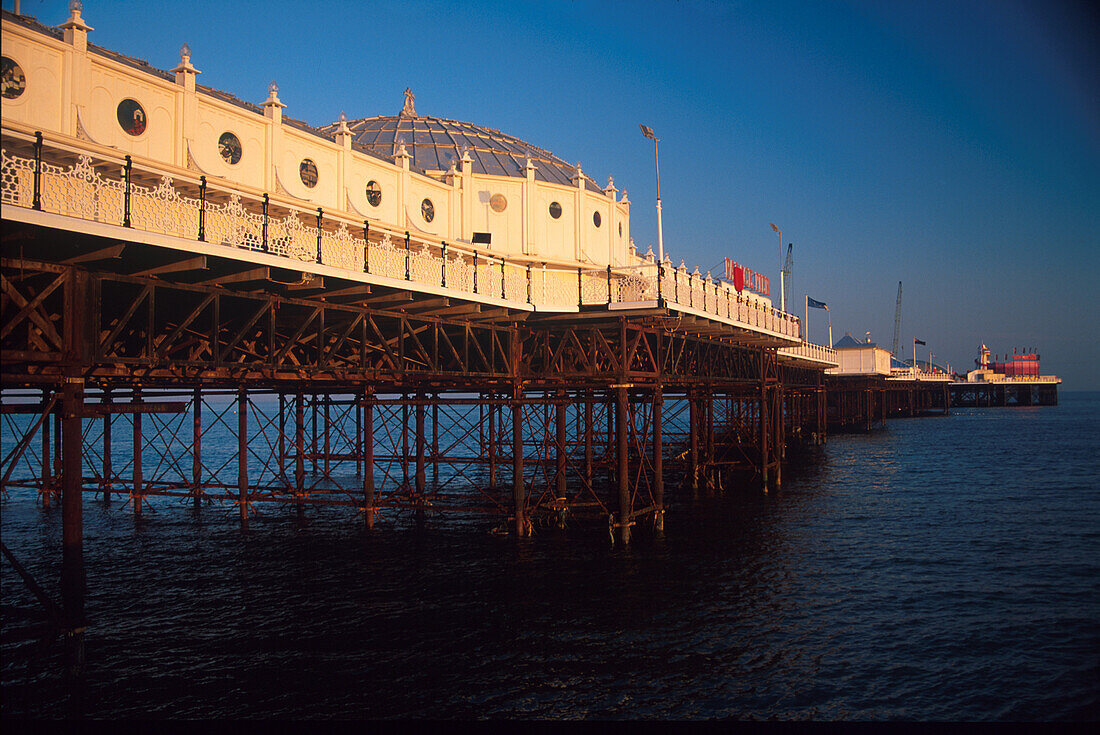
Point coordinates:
[[810, 351], [119, 192]]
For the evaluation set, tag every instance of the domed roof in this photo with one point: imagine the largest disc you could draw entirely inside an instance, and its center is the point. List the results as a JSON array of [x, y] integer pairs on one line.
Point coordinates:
[[435, 142]]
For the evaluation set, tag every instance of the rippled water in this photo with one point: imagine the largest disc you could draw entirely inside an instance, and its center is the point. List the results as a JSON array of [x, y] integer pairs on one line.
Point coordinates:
[[943, 568]]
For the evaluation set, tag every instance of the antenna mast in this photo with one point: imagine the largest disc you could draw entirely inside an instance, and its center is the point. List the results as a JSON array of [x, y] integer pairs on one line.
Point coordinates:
[[897, 320]]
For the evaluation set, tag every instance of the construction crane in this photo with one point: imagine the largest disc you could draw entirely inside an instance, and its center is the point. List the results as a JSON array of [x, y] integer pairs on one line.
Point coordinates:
[[787, 274], [897, 321]]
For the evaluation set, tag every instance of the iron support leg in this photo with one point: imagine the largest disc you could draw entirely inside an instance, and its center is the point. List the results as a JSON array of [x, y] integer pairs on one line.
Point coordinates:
[[622, 430], [518, 489], [242, 453]]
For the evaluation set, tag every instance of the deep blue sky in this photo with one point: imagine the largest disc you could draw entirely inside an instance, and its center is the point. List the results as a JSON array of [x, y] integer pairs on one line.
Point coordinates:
[[954, 146]]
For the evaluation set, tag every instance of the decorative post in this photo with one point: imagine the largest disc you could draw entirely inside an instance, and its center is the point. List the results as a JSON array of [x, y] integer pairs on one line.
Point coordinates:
[[264, 236], [126, 197], [475, 272], [202, 209], [444, 269], [609, 284], [528, 283], [502, 296], [580, 290], [320, 221], [407, 255], [36, 203]]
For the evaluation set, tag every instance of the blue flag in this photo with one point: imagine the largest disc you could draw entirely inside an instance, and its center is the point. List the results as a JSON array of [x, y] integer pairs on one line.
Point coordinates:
[[815, 304]]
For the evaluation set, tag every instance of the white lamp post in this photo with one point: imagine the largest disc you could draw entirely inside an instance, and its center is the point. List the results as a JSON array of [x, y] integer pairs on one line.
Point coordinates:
[[782, 290], [648, 132]]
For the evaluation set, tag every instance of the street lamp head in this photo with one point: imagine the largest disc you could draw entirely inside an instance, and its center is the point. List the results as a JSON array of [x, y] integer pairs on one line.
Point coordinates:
[[774, 227], [648, 132]]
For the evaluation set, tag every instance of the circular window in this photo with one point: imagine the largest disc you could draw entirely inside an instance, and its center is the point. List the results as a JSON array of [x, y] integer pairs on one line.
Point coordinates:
[[596, 219], [12, 79], [498, 203], [428, 210], [229, 146], [307, 171], [555, 210], [131, 116], [374, 193]]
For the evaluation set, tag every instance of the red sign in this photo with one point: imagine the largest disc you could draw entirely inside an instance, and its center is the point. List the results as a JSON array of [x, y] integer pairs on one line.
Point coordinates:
[[743, 278]]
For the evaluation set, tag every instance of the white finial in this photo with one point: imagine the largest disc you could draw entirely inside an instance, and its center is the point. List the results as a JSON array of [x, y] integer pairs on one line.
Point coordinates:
[[273, 89], [76, 7], [649, 252], [610, 182], [185, 53], [343, 117]]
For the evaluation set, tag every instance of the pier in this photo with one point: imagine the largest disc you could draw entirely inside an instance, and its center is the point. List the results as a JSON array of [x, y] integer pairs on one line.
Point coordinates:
[[372, 333]]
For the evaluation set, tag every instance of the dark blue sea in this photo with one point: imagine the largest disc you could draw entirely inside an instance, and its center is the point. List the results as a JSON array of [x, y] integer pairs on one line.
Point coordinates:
[[942, 568]]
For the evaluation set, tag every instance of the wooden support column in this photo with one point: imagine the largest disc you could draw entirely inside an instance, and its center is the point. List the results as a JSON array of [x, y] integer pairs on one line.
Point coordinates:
[[589, 458], [658, 461], [693, 444], [435, 437], [622, 431], [763, 423], [562, 444], [138, 481], [282, 435], [368, 458], [327, 442], [518, 490], [196, 447], [313, 435], [72, 522], [421, 441], [300, 448], [492, 443], [242, 453], [47, 466], [108, 468]]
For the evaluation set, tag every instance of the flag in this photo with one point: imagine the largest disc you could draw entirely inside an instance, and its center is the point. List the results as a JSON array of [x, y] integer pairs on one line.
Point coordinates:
[[815, 304], [918, 341]]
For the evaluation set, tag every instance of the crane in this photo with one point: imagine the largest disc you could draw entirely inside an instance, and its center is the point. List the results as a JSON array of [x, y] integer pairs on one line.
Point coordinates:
[[787, 274], [897, 320]]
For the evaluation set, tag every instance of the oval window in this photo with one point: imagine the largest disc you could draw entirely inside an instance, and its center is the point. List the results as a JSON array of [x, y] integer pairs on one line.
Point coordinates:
[[131, 116], [555, 210], [374, 193], [596, 219], [428, 210], [498, 203], [307, 171], [12, 79], [229, 146]]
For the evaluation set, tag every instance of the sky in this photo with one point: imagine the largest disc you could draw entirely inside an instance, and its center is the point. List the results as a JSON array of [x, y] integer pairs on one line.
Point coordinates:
[[953, 146]]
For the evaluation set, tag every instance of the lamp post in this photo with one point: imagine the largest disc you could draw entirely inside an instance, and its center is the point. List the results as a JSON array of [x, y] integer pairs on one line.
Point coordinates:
[[648, 132], [782, 290]]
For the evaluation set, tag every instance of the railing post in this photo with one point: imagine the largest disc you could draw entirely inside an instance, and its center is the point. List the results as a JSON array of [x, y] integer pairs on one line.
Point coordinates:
[[475, 272], [580, 290], [264, 237], [320, 221], [660, 277], [444, 283], [36, 203], [126, 196], [202, 209], [366, 246], [407, 278], [609, 283], [502, 295], [528, 283], [676, 285]]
